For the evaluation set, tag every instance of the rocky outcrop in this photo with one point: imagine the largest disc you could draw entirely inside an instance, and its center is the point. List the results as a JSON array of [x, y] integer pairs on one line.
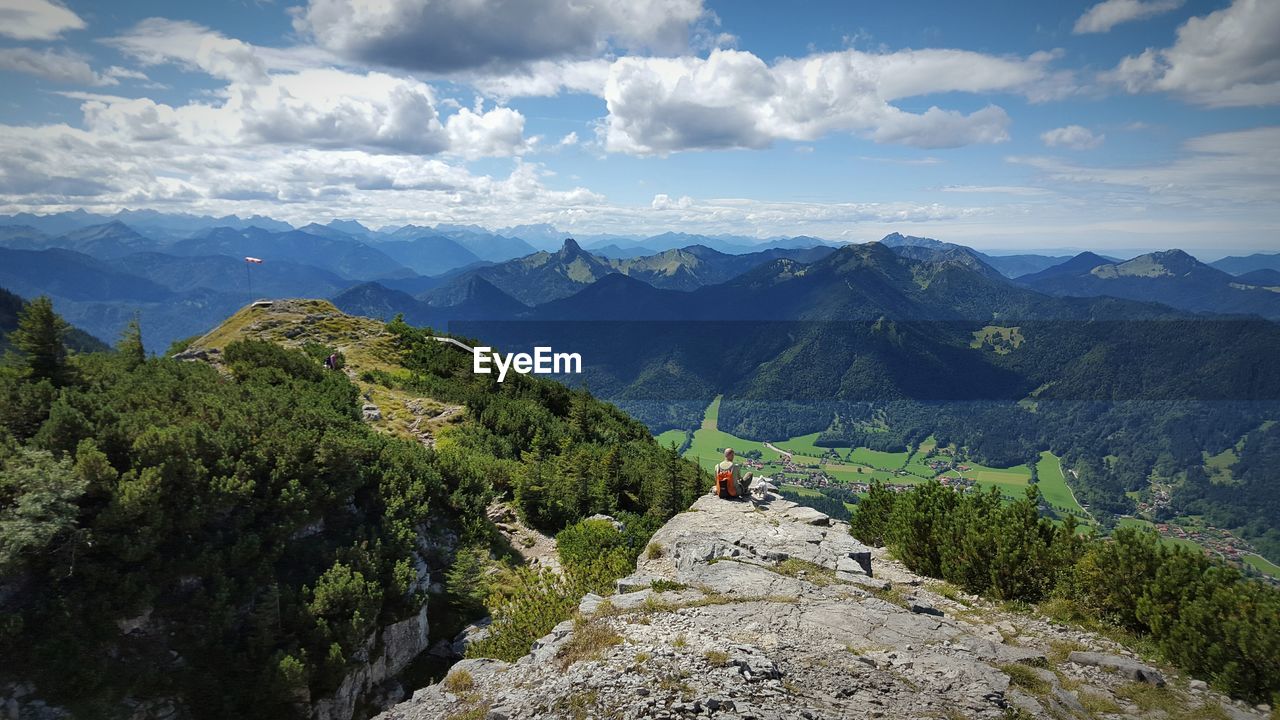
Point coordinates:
[[742, 610], [1128, 667], [373, 681]]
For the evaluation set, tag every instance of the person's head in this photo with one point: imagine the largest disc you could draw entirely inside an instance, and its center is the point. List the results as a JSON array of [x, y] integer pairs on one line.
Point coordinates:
[[728, 453]]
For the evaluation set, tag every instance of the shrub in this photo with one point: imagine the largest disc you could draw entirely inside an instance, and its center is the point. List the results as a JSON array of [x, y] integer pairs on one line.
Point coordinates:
[[870, 519]]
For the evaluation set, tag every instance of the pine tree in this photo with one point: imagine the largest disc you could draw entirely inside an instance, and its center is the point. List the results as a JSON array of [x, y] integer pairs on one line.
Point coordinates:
[[41, 336], [130, 345], [610, 473], [870, 520]]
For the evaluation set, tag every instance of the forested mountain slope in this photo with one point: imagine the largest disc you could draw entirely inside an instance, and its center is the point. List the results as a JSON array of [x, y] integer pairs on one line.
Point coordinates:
[[241, 532]]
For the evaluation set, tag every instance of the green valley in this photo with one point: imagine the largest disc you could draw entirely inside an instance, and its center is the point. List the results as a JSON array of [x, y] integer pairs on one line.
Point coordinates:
[[799, 461]]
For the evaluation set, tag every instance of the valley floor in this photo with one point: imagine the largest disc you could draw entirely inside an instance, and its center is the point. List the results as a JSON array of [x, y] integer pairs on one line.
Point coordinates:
[[799, 465]]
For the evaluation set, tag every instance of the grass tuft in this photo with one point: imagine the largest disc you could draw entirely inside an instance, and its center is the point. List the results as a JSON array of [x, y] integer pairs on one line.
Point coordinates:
[[1026, 678], [589, 641], [459, 682], [717, 658]]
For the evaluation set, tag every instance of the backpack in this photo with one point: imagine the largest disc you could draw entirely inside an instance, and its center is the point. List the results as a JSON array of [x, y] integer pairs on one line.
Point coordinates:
[[724, 484]]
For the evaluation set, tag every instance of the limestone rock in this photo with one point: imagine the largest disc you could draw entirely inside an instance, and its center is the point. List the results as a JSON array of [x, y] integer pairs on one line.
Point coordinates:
[[1131, 669], [763, 610]]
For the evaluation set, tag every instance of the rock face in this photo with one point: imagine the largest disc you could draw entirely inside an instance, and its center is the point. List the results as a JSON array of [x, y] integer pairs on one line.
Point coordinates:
[[400, 643], [767, 611]]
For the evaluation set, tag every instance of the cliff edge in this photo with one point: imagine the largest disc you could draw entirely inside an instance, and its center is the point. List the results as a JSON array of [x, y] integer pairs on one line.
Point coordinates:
[[772, 610]]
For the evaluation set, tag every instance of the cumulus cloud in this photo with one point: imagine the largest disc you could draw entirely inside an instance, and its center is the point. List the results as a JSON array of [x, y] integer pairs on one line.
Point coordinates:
[[453, 35], [60, 66], [1105, 15], [1228, 58], [36, 19], [322, 108], [279, 96], [1072, 136], [733, 99]]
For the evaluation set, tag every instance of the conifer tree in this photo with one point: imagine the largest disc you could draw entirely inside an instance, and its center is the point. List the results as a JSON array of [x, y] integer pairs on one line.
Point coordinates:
[[41, 336], [871, 516], [130, 345]]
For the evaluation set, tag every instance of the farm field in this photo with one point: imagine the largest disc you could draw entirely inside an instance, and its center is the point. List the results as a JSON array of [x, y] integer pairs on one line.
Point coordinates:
[[670, 437], [1053, 486], [865, 464], [877, 458], [708, 440], [1262, 565]]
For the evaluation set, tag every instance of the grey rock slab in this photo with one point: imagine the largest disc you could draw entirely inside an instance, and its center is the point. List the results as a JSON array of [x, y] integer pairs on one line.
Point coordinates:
[[1131, 669]]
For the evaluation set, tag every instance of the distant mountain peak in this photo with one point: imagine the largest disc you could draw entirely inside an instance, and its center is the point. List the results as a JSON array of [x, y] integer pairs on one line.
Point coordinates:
[[570, 249], [896, 239]]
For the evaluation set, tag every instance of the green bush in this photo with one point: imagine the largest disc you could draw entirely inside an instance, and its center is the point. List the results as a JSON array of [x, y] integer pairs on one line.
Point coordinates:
[[1200, 614], [870, 519]]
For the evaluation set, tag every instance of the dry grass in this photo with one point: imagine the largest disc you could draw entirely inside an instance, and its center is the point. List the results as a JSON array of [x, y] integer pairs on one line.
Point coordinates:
[[1026, 678], [1060, 650], [805, 570], [589, 641], [459, 682], [1150, 698], [717, 658]]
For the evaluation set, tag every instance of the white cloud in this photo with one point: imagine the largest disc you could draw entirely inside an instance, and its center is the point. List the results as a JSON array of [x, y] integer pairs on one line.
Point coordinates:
[[544, 78], [499, 131], [1219, 170], [279, 96], [1105, 15], [1228, 58], [36, 19], [1072, 136], [996, 189], [322, 108], [453, 35], [157, 41], [733, 99], [663, 201], [56, 165], [60, 66]]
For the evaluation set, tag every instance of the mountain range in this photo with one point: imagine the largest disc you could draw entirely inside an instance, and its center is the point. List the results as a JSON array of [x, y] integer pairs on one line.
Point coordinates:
[[878, 344], [100, 273], [1171, 277]]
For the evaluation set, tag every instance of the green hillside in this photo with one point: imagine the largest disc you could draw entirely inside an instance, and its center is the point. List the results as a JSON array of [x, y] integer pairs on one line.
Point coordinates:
[[230, 530]]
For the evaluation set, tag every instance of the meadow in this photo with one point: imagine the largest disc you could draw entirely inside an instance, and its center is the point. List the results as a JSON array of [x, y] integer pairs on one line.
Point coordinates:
[[864, 464]]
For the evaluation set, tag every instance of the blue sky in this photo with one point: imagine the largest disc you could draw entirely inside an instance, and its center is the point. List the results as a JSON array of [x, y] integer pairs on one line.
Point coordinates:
[[1124, 124]]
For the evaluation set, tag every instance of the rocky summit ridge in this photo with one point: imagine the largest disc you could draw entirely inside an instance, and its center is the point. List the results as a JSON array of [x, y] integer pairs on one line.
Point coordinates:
[[771, 610]]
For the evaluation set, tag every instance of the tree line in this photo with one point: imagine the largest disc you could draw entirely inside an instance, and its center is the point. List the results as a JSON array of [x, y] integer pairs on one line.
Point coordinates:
[[1199, 613]]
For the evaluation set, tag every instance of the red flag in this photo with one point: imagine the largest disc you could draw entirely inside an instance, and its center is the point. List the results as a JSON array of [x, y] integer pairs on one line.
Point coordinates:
[[255, 261]]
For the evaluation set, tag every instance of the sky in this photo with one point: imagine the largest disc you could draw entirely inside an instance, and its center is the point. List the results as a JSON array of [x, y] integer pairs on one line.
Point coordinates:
[[1003, 125]]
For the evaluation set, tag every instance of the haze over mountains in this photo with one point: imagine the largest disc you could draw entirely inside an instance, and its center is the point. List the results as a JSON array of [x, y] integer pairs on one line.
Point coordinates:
[[184, 273]]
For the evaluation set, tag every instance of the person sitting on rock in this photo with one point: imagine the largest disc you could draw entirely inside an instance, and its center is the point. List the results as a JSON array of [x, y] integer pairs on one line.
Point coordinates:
[[731, 484]]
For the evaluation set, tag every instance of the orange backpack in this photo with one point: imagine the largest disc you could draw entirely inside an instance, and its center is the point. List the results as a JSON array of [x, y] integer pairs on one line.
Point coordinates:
[[724, 484]]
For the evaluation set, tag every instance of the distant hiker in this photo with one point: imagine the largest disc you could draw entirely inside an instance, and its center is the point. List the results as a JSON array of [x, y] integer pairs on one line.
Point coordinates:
[[331, 362], [731, 484]]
